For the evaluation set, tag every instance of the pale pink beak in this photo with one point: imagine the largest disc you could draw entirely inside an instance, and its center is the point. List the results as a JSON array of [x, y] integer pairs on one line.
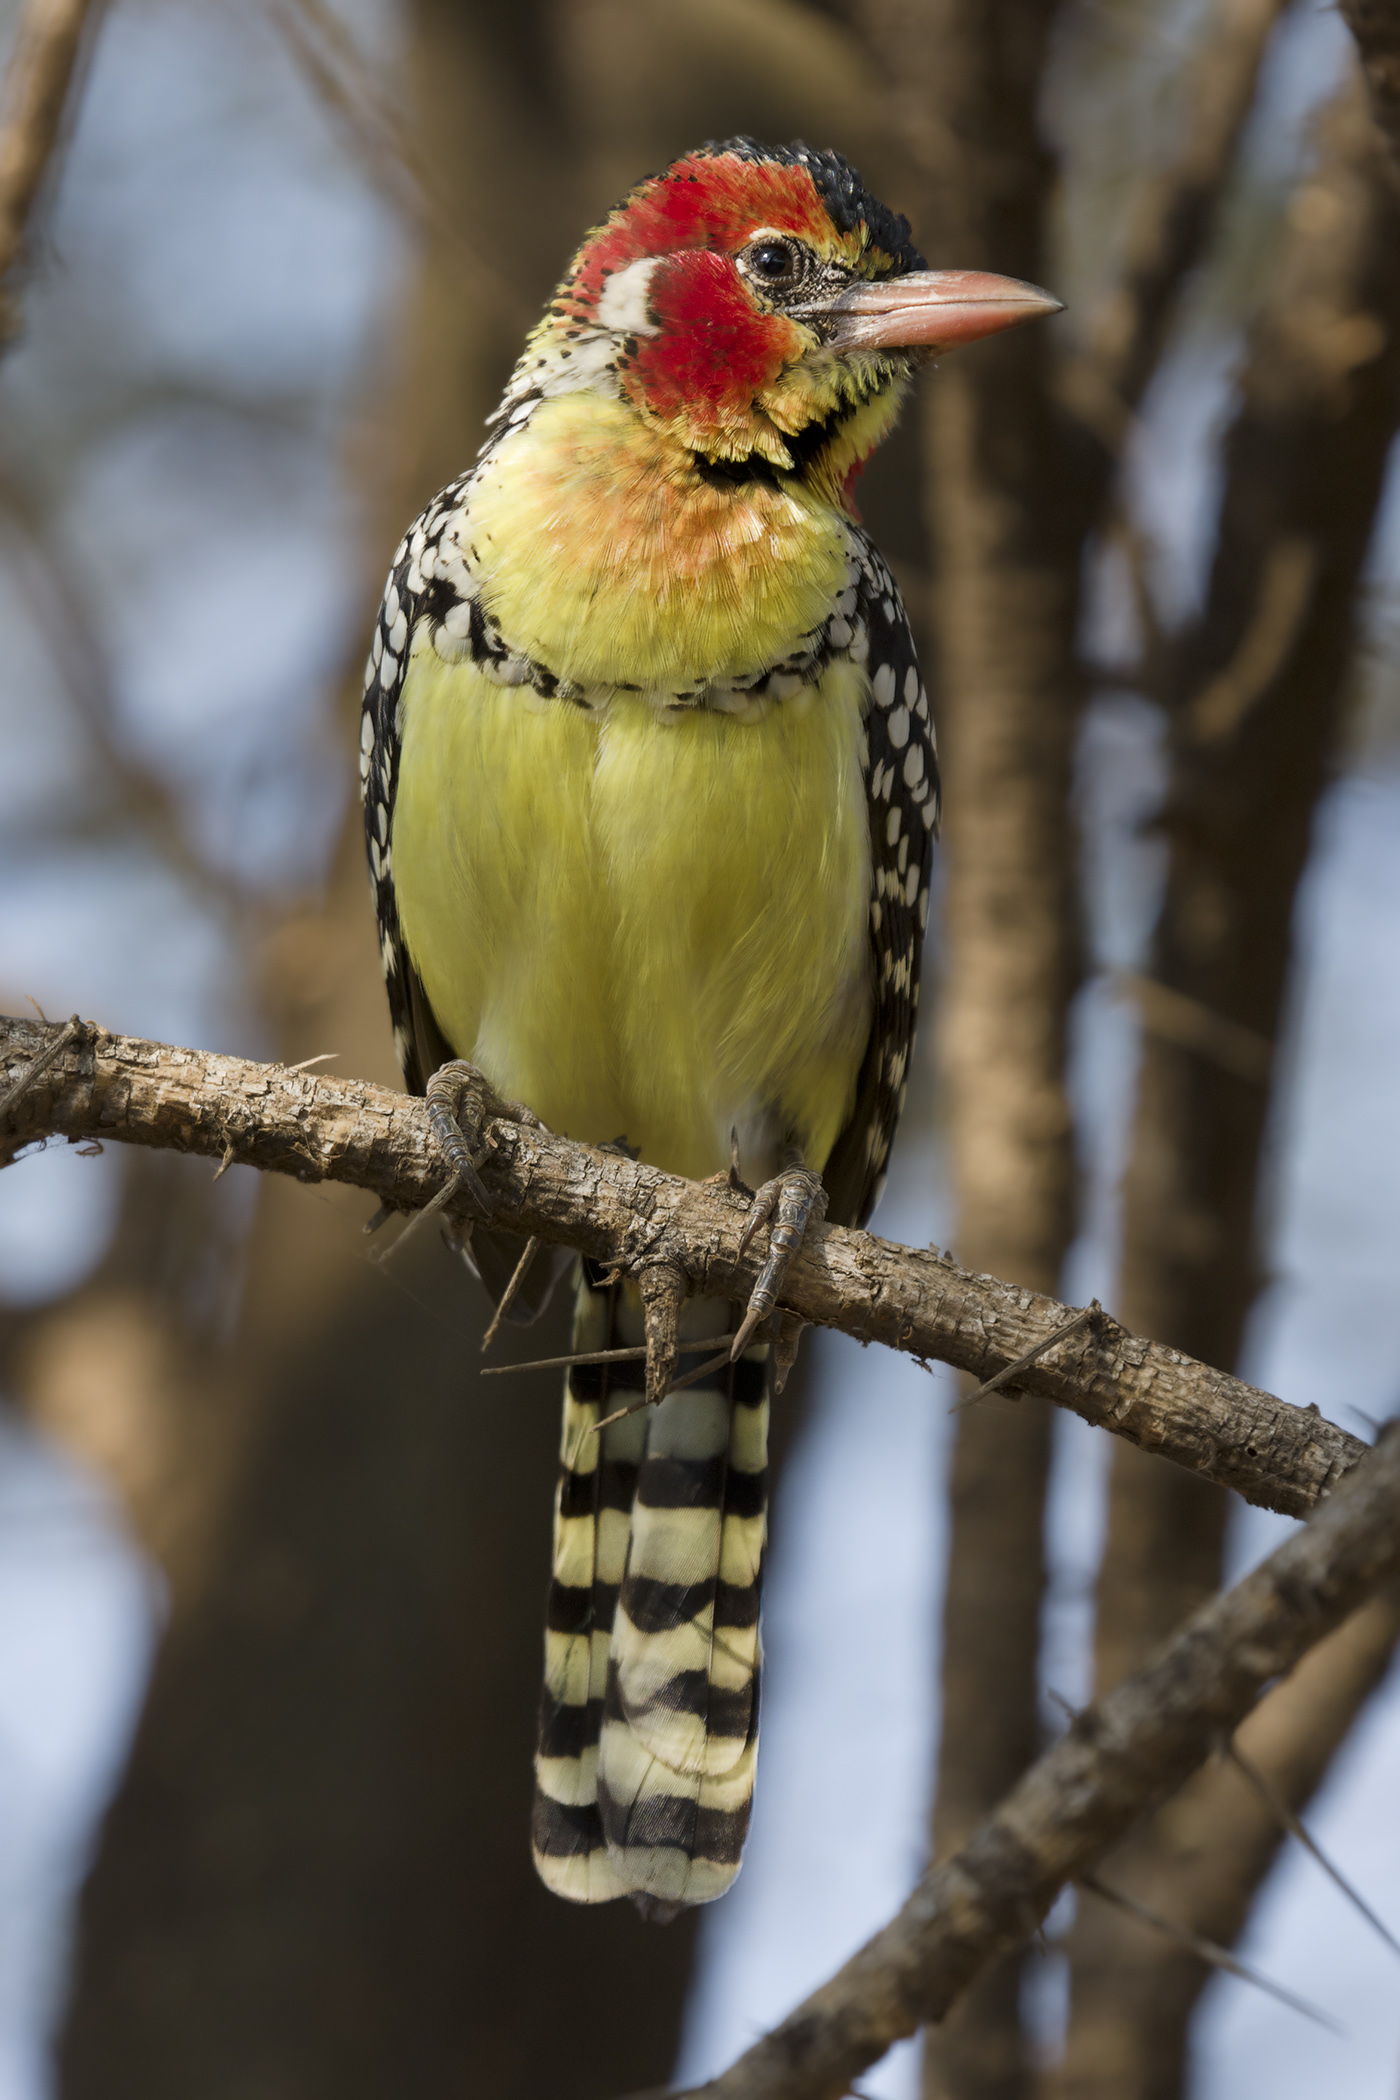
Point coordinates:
[[933, 309]]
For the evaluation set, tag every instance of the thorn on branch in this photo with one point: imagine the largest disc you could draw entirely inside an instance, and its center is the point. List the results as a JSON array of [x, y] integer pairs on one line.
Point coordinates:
[[439, 1202], [532, 1248], [705, 1370], [596, 1356], [1295, 1827], [1205, 1950], [1073, 1714], [1093, 1311]]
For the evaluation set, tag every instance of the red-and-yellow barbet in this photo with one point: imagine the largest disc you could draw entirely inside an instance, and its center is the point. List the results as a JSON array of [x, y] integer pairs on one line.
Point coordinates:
[[650, 796]]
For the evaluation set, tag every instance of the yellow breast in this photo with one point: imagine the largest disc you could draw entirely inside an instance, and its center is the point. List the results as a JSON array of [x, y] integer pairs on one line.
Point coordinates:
[[603, 553], [644, 925]]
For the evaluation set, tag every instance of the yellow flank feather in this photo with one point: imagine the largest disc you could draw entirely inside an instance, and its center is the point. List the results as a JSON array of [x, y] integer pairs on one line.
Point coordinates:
[[646, 923]]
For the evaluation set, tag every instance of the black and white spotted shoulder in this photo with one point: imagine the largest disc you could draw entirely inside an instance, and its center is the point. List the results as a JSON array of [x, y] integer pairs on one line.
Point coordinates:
[[901, 780], [426, 580]]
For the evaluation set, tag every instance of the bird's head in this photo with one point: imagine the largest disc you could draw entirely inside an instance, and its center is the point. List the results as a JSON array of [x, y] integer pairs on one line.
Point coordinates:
[[760, 308]]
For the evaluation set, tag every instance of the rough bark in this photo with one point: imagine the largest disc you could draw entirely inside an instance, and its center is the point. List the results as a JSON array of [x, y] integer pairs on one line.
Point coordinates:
[[620, 1211], [1257, 710], [1129, 1750]]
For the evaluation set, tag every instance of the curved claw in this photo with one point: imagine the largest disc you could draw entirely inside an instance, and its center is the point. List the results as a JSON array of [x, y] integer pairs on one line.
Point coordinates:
[[785, 1348], [796, 1196]]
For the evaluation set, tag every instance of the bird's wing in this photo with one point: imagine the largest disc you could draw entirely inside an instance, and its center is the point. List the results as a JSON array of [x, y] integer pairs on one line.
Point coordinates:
[[428, 581], [901, 782], [415, 590]]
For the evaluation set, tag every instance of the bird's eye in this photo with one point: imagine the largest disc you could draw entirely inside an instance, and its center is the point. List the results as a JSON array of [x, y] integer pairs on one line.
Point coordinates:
[[779, 266]]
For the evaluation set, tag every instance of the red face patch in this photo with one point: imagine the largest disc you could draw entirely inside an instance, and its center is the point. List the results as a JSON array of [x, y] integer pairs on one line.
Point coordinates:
[[713, 349]]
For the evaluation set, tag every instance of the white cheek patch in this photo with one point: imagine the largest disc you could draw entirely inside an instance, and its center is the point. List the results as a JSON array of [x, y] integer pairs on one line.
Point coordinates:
[[622, 304]]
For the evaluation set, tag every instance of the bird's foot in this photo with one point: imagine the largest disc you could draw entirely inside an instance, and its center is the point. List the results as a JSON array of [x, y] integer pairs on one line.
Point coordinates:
[[791, 1199], [461, 1104]]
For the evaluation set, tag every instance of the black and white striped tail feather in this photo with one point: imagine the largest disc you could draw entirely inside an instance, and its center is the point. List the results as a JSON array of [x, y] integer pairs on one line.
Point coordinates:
[[649, 1718]]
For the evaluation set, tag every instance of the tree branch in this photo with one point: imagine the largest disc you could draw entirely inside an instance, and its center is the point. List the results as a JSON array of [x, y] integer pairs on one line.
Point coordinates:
[[1173, 219], [1127, 1752], [619, 1211], [38, 83], [1376, 26]]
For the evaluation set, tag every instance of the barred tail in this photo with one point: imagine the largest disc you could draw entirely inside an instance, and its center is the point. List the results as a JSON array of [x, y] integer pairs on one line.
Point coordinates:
[[649, 1718]]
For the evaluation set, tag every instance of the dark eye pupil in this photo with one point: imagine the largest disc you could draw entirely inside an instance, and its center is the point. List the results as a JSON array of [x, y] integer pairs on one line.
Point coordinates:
[[773, 261]]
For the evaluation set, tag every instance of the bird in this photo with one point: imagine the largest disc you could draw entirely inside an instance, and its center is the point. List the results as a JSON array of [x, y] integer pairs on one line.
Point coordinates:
[[650, 794]]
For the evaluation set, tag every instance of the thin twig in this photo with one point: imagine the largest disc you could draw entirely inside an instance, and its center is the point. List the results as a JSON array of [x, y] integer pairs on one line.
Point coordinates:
[[1376, 26], [451, 1189], [1178, 1018], [36, 96], [378, 132], [1295, 1827], [1032, 1355], [532, 1248], [61, 611], [594, 1356], [1172, 222], [677, 1385], [1203, 1949]]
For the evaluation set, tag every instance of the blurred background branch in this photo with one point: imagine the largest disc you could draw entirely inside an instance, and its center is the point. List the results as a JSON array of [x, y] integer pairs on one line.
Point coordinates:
[[36, 106], [1376, 26], [1116, 1758]]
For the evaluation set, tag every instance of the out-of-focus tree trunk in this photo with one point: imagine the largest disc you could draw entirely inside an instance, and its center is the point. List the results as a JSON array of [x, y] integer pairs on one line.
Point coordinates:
[[964, 84], [1257, 706], [1376, 26]]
